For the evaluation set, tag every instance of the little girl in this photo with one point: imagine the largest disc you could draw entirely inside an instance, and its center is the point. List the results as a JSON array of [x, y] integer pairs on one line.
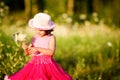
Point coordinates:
[[42, 47]]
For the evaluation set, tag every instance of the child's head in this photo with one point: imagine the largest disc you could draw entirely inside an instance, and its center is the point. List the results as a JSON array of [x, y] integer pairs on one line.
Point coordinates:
[[42, 21], [43, 32]]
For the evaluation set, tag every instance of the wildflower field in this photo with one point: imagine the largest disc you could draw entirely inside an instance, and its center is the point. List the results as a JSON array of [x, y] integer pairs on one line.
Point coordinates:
[[86, 53]]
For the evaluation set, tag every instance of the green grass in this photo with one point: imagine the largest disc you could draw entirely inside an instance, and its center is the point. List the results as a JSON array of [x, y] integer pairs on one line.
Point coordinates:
[[89, 58], [88, 53]]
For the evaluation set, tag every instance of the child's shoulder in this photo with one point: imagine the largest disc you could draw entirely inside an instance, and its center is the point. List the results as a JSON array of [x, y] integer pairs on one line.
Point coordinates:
[[52, 36]]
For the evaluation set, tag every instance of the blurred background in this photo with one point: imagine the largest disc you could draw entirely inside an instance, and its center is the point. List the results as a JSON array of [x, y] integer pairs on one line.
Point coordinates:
[[91, 10], [87, 33]]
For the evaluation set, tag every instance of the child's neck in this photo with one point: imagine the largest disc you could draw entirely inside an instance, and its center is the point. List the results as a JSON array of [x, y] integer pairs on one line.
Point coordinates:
[[43, 35]]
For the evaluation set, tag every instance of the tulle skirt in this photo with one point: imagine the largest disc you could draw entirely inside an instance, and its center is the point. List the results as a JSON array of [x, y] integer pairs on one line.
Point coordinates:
[[40, 68]]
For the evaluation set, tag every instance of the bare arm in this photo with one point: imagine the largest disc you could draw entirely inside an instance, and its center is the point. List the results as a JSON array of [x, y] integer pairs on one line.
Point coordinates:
[[26, 47]]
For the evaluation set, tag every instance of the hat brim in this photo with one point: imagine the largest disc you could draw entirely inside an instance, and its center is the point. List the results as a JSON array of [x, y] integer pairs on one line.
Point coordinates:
[[48, 27]]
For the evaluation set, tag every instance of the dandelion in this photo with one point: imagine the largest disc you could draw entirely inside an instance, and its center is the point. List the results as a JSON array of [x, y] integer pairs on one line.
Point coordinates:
[[8, 46], [1, 10], [109, 44], [100, 77], [96, 19], [1, 44], [69, 20], [16, 49], [82, 16], [95, 14], [64, 15], [87, 23], [0, 56], [76, 25], [2, 4], [19, 37]]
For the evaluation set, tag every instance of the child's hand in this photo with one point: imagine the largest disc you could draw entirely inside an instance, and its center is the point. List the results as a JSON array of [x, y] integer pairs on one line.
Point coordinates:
[[32, 49], [24, 45]]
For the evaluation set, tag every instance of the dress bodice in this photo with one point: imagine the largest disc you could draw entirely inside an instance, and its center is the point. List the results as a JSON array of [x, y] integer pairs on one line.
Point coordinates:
[[42, 42]]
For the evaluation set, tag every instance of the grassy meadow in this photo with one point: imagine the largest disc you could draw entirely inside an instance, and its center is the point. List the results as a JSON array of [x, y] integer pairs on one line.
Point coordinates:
[[87, 52]]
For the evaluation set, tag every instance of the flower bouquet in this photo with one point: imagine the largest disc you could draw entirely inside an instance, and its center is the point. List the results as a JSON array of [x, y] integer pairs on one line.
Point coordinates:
[[19, 37]]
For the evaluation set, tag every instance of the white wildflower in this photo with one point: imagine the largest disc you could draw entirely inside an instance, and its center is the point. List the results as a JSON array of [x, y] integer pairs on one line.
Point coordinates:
[[82, 16], [1, 44], [2, 4], [109, 44], [87, 23], [96, 19], [64, 15], [95, 14], [19, 37], [69, 20]]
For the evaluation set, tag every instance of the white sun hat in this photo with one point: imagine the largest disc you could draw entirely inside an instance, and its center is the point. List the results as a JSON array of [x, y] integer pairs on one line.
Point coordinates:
[[41, 21]]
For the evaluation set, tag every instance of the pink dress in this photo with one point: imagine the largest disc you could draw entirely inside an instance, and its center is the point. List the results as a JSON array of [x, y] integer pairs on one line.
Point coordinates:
[[40, 67]]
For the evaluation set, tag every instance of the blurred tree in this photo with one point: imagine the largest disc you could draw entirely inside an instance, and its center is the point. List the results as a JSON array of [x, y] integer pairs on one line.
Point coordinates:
[[95, 5], [106, 9], [14, 5], [34, 6], [4, 10], [31, 8], [41, 5], [55, 6], [110, 11], [70, 7], [80, 6], [115, 10], [28, 9]]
